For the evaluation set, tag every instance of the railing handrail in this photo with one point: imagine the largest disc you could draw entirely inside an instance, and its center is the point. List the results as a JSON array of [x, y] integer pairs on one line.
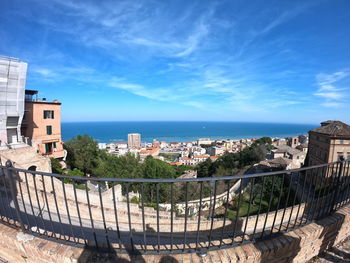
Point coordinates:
[[173, 180]]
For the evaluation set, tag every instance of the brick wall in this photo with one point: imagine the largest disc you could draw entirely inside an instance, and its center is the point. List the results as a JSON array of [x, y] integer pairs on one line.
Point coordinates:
[[298, 245]]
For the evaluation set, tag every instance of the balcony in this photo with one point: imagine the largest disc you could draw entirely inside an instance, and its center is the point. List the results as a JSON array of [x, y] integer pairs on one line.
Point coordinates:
[[165, 216]]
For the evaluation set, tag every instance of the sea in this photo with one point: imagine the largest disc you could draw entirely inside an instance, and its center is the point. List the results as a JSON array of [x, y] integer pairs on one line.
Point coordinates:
[[180, 131]]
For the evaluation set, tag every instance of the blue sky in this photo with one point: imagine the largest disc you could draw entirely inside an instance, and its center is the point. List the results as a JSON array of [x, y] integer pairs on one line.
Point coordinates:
[[265, 61]]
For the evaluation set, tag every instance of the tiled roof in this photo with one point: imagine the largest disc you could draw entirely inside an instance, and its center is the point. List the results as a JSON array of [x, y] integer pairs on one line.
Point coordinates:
[[334, 128]]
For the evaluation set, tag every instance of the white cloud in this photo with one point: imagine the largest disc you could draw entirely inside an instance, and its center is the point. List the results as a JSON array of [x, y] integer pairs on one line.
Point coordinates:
[[328, 89]]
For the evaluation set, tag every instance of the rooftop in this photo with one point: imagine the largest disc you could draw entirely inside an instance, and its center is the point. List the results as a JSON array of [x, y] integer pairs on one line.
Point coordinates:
[[334, 128]]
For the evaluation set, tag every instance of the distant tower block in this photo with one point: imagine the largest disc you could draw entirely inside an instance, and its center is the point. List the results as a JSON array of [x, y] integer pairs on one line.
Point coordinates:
[[134, 140]]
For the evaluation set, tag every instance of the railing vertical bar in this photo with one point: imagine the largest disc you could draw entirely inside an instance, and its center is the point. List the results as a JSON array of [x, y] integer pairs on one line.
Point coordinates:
[[78, 212], [332, 189], [143, 217], [8, 200], [67, 209], [23, 203], [2, 199], [286, 203], [346, 192], [13, 190], [116, 216], [186, 215], [57, 209], [335, 188], [212, 215], [237, 212], [324, 195], [344, 183], [278, 204], [171, 216], [31, 203], [252, 181], [316, 195], [199, 213], [90, 214], [129, 216], [158, 234], [47, 203], [38, 204], [301, 201], [307, 201], [269, 206], [103, 216], [294, 200], [225, 213], [257, 216], [319, 193]]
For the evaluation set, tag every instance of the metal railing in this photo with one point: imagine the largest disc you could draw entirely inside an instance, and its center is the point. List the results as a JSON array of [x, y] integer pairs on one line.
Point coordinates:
[[169, 215]]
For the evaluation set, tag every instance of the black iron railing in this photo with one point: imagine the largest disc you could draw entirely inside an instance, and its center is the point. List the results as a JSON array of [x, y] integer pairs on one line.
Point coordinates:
[[169, 215]]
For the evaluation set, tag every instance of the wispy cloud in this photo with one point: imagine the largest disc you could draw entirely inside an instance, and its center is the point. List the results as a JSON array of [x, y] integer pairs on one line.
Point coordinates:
[[226, 57], [330, 90]]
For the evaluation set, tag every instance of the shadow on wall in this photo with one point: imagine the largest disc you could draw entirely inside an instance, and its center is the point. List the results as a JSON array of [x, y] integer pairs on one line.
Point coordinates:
[[329, 236], [92, 255]]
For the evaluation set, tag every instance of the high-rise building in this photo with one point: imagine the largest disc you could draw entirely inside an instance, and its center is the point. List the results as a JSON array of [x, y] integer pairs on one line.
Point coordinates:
[[329, 143], [42, 125], [13, 73], [134, 140]]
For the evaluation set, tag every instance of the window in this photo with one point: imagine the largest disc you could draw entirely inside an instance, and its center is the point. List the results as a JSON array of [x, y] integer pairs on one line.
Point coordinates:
[[49, 130], [47, 148], [49, 114], [341, 141], [340, 156]]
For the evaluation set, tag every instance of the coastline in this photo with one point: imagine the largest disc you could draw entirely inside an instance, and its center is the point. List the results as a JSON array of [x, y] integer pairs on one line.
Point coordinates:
[[176, 131]]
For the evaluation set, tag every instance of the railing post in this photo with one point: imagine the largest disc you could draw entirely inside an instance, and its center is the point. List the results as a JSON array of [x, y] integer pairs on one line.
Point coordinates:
[[11, 178], [336, 190]]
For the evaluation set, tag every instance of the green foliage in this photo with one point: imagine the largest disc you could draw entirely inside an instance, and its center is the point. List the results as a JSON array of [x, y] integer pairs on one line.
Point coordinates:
[[56, 166], [231, 163], [82, 153], [74, 172]]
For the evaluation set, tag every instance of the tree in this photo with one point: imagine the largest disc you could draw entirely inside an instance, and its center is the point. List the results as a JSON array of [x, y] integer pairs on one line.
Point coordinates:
[[56, 166], [82, 153]]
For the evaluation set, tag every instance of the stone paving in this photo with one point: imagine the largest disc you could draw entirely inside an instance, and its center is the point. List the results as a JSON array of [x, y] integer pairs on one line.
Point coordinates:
[[339, 253]]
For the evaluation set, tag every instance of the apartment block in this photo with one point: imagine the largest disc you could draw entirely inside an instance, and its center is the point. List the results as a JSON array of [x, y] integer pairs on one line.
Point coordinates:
[[42, 124], [13, 73]]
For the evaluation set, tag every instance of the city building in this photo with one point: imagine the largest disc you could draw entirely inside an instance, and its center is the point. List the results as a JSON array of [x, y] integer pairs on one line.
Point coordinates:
[[204, 141], [134, 140], [13, 73], [214, 150], [42, 124], [293, 141], [329, 143], [149, 151]]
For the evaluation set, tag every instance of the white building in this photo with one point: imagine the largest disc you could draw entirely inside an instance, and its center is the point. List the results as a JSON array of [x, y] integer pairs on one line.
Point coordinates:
[[134, 140], [13, 73], [204, 141]]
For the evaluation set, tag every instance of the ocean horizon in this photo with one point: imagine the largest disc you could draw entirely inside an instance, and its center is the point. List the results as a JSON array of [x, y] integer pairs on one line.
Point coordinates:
[[180, 131]]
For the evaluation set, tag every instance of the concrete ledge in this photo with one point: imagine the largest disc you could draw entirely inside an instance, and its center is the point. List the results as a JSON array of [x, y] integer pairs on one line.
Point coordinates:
[[298, 245]]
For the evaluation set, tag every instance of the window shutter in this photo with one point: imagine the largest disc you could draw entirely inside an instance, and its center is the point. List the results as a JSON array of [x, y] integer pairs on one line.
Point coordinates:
[[53, 114], [48, 130], [47, 148], [44, 115]]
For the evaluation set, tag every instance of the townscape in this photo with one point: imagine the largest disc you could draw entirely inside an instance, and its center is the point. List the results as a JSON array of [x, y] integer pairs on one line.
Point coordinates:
[[174, 131], [287, 152]]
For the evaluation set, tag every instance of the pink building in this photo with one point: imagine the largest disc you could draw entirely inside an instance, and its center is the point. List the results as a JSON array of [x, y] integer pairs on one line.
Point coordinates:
[[42, 124]]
